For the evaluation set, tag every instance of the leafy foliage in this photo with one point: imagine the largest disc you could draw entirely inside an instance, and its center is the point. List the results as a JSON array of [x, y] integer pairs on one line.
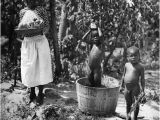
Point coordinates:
[[123, 23], [9, 14]]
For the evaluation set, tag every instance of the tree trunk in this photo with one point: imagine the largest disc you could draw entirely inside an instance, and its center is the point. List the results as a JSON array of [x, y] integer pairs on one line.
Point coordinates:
[[55, 38], [63, 23]]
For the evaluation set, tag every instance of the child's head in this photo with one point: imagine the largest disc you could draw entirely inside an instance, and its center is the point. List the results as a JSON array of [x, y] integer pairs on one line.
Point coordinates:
[[95, 37], [95, 34], [133, 54]]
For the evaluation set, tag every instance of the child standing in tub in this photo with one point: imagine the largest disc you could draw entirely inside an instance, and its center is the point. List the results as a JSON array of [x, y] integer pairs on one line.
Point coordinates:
[[95, 57], [133, 81], [96, 54], [35, 52]]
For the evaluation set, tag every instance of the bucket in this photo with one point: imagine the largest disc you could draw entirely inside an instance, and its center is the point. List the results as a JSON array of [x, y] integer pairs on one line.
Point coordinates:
[[97, 100]]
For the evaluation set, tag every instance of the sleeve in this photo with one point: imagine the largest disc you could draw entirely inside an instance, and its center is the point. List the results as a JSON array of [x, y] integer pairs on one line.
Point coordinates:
[[21, 13], [42, 13]]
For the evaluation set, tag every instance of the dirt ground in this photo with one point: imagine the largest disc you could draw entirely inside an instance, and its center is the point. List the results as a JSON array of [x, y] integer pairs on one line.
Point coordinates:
[[60, 103]]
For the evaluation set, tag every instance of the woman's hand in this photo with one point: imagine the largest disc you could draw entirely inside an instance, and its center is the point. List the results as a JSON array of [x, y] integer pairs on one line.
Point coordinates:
[[36, 23], [22, 26], [121, 90]]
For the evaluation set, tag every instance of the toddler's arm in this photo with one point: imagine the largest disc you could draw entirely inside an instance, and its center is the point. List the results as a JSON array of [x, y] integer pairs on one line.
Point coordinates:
[[99, 32], [122, 79], [86, 34], [142, 80]]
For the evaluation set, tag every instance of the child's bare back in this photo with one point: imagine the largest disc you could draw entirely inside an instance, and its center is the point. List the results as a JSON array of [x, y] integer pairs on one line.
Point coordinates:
[[95, 57]]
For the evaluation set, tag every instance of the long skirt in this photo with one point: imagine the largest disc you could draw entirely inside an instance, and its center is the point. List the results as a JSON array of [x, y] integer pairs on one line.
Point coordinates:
[[36, 66]]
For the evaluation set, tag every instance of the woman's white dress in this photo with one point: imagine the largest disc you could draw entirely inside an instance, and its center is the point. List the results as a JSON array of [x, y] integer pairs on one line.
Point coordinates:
[[36, 66]]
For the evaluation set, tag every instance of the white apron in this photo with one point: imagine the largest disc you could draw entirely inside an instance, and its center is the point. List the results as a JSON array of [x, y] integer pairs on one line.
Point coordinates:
[[35, 61]]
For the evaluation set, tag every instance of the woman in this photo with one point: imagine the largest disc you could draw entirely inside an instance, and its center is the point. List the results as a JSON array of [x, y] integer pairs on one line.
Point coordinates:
[[35, 53]]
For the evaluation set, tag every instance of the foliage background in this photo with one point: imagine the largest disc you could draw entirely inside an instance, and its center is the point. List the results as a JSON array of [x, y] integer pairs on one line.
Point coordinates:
[[124, 23]]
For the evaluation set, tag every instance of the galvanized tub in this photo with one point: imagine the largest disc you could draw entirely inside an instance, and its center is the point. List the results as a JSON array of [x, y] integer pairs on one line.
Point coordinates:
[[97, 100]]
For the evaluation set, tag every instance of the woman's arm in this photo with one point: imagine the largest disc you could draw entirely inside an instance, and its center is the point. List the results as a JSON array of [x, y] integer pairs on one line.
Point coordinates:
[[20, 25], [22, 12]]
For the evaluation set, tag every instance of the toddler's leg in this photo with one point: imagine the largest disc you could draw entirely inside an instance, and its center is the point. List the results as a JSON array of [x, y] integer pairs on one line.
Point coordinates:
[[128, 98], [91, 78], [97, 77], [136, 113], [136, 92]]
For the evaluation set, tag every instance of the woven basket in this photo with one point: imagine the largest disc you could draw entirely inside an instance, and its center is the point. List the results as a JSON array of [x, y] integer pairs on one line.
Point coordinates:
[[30, 31]]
